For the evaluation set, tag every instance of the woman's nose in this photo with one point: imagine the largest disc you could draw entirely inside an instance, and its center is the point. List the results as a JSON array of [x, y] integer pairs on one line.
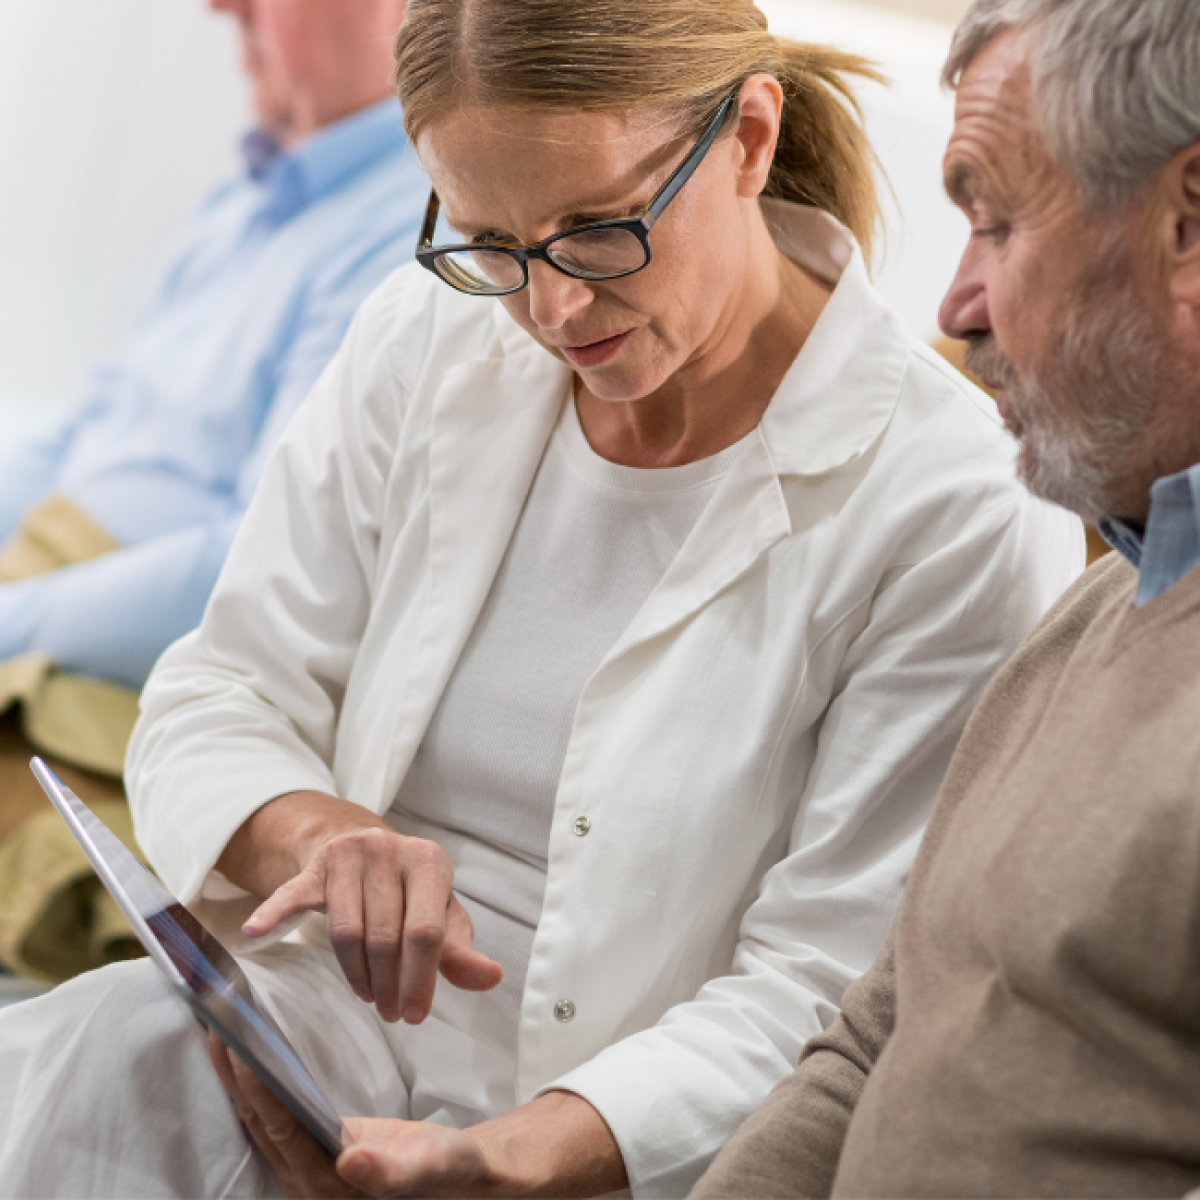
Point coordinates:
[[554, 298]]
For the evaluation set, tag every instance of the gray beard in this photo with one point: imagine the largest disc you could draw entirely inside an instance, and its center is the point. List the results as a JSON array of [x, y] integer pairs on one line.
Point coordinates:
[[1083, 417]]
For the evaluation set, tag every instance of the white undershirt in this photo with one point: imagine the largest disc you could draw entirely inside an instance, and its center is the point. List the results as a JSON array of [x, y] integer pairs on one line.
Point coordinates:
[[592, 543]]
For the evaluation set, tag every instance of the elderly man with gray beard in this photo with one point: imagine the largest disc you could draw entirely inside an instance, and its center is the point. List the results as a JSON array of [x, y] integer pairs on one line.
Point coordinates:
[[1032, 1027]]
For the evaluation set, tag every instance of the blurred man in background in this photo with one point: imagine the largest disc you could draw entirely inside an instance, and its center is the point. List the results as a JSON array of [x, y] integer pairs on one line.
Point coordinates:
[[113, 528]]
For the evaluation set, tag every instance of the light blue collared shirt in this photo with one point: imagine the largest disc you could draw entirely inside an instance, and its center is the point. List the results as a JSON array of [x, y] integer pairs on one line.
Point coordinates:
[[168, 443], [1170, 546]]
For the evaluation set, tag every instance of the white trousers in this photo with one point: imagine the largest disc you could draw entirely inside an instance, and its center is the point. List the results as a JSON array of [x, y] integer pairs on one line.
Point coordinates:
[[106, 1089]]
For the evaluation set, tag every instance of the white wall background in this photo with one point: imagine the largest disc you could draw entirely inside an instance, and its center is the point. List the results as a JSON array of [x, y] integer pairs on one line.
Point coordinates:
[[909, 123], [117, 116]]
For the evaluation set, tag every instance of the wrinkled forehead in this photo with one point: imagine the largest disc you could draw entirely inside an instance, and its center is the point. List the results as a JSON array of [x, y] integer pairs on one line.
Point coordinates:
[[486, 162], [997, 147]]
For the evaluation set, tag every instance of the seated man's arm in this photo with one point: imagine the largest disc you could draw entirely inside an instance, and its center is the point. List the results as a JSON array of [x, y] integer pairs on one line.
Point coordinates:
[[113, 617], [27, 474], [792, 1144]]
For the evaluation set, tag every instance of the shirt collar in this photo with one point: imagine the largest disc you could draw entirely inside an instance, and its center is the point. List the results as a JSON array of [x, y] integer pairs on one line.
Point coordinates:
[[1170, 546], [292, 179], [839, 395], [1125, 539], [260, 148]]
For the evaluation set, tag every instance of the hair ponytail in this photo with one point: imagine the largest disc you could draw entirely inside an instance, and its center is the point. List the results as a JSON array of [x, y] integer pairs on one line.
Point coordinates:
[[823, 157], [684, 56]]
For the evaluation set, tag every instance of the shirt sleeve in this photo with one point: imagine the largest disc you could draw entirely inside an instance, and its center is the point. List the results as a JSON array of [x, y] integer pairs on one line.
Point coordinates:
[[938, 629], [26, 478], [112, 618], [791, 1146]]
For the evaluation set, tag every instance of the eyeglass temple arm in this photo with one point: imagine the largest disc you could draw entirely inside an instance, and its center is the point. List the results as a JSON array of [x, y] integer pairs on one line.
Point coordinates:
[[687, 169], [430, 223]]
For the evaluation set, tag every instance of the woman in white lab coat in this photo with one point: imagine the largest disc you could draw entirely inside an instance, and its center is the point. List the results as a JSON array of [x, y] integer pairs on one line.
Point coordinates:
[[597, 640]]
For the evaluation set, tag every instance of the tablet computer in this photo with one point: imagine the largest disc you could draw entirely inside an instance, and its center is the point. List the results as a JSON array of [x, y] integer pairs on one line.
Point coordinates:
[[197, 966]]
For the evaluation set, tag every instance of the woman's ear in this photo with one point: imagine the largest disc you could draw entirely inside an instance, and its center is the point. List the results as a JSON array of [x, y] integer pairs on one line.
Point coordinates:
[[760, 110]]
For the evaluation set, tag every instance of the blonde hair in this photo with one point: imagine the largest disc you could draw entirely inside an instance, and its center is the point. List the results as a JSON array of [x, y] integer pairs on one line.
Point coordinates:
[[681, 56]]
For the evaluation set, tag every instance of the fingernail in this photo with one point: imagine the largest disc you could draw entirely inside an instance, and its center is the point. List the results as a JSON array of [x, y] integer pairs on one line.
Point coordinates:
[[413, 1016], [250, 929]]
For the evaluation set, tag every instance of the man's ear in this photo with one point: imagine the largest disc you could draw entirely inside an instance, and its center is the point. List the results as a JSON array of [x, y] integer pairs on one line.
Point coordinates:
[[1183, 206]]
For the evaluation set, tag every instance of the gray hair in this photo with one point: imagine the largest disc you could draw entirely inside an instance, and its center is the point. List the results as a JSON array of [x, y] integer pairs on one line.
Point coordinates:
[[1116, 83]]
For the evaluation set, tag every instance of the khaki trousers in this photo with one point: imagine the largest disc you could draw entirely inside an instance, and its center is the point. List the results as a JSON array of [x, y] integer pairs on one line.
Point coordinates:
[[55, 919]]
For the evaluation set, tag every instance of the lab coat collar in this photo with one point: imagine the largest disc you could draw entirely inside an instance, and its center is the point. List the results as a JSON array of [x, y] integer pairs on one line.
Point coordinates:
[[743, 520], [492, 419], [839, 395]]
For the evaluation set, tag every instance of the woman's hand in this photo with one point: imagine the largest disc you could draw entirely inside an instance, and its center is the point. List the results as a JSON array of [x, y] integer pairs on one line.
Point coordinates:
[[394, 922], [557, 1145], [382, 1158], [304, 1167]]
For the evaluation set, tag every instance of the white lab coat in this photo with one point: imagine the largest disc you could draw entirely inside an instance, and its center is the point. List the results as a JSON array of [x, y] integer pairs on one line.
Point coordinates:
[[756, 755]]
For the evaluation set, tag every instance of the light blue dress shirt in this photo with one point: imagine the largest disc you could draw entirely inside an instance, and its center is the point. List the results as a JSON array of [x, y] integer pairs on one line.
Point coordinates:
[[170, 439], [1170, 546]]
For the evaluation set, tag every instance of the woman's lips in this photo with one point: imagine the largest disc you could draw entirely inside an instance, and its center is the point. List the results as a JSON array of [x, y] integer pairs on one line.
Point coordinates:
[[595, 354]]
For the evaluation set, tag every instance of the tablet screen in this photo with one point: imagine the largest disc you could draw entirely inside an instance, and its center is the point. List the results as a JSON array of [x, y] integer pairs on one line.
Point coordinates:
[[202, 970], [222, 997]]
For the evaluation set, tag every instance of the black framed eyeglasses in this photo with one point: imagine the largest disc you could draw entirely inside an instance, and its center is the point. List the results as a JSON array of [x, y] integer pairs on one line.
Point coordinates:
[[603, 250]]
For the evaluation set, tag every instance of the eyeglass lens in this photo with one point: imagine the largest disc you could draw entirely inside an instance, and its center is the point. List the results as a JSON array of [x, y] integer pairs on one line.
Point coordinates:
[[589, 254], [598, 253], [480, 271]]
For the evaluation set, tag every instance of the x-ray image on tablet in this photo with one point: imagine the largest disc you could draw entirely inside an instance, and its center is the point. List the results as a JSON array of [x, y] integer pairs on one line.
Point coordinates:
[[199, 968]]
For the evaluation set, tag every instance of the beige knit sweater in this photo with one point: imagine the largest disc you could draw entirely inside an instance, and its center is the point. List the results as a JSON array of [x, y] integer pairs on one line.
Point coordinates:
[[1032, 1027]]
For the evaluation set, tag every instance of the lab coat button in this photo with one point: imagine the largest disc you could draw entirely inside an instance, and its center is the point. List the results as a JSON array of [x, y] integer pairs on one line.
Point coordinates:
[[582, 827], [564, 1011]]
